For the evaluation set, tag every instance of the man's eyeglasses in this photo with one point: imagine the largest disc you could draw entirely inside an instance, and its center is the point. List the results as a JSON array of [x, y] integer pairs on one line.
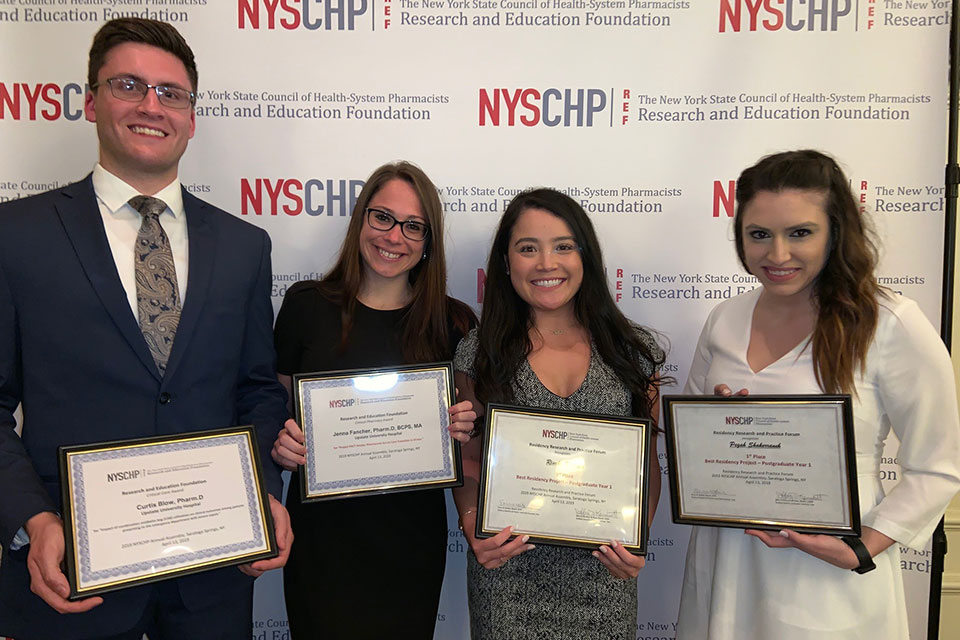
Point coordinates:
[[133, 90], [384, 221]]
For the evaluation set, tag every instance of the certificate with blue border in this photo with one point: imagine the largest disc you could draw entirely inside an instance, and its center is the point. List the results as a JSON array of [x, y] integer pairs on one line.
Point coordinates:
[[142, 510], [372, 431]]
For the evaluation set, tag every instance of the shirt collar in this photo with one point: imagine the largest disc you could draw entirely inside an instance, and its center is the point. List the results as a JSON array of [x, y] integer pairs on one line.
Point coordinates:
[[114, 192]]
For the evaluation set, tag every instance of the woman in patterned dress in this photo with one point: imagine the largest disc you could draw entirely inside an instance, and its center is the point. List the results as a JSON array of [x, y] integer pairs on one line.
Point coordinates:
[[551, 336]]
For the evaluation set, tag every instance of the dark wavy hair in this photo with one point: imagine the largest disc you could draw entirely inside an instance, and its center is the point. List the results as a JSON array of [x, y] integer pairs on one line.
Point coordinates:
[[505, 322], [425, 335], [845, 292], [142, 31]]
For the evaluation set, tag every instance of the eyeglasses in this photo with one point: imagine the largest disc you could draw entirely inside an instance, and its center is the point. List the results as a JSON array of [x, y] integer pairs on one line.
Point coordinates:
[[384, 221], [133, 90]]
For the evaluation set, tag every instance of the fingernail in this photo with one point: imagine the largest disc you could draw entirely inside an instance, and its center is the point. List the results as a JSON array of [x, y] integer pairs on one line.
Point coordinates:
[[531, 546], [524, 538], [784, 534], [596, 555], [604, 549], [614, 544]]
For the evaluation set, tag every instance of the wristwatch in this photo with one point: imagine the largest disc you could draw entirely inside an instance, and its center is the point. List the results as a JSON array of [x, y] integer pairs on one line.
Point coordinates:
[[866, 562]]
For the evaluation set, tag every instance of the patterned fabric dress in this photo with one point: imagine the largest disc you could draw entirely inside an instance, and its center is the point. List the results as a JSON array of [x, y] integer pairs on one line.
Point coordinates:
[[554, 593]]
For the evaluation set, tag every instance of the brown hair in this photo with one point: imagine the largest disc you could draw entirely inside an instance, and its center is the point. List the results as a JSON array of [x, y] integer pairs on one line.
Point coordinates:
[[504, 333], [144, 31], [845, 291], [425, 334]]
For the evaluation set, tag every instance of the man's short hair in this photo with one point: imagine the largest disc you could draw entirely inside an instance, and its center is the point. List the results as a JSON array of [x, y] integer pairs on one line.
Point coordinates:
[[141, 30]]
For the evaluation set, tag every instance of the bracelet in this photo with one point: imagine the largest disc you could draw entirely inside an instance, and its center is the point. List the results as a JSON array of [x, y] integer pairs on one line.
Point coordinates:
[[866, 562], [460, 519]]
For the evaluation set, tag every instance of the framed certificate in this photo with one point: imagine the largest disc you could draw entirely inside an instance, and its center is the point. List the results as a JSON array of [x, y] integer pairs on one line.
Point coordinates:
[[371, 431], [571, 479], [142, 510], [763, 462]]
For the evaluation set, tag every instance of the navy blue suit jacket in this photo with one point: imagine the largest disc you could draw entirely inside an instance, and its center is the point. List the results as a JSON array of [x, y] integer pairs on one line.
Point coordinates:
[[72, 353]]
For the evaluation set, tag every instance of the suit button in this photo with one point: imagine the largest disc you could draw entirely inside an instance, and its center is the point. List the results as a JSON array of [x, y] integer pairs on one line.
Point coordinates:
[[165, 398]]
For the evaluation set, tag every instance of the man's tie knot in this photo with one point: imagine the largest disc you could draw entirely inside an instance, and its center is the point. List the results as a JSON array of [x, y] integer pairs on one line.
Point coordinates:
[[148, 206]]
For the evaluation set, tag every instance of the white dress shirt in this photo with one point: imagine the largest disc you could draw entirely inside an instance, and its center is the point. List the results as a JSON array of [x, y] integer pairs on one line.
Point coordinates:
[[122, 223]]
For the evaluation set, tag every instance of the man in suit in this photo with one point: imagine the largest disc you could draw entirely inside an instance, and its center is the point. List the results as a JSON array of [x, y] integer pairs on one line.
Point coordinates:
[[96, 347]]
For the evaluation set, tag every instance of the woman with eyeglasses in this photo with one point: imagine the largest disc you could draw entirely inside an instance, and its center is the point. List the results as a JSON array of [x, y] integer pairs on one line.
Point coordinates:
[[371, 567], [820, 323], [552, 337]]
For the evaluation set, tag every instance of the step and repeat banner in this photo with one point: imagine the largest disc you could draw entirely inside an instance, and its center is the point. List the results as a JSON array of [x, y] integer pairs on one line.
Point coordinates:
[[644, 111]]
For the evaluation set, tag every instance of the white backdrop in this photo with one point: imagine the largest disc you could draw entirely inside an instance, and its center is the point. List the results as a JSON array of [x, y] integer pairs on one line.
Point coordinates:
[[644, 111]]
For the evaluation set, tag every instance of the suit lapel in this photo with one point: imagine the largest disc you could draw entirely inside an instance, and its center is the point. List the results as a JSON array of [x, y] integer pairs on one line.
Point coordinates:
[[202, 239], [81, 219]]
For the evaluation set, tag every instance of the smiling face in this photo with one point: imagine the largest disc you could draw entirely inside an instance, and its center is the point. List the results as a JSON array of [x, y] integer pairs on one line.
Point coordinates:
[[786, 237], [390, 254], [140, 142], [545, 266]]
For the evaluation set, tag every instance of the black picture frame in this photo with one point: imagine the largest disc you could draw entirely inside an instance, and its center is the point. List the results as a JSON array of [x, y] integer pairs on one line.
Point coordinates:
[[494, 410], [788, 402], [70, 510], [308, 493]]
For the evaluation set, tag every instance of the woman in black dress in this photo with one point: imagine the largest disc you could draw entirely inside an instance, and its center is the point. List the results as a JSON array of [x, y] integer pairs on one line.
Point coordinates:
[[384, 303]]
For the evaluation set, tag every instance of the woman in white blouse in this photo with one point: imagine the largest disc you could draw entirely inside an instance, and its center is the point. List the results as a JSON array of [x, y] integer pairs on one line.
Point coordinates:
[[819, 323]]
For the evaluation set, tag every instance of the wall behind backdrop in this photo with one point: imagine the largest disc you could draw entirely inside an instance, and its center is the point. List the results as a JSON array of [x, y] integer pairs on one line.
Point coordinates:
[[643, 111]]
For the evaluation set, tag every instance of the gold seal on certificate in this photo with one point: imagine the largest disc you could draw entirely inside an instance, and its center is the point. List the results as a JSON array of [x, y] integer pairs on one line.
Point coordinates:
[[143, 510], [376, 430], [563, 478], [763, 462]]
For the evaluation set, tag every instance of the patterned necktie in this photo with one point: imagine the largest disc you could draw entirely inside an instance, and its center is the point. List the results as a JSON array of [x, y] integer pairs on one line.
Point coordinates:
[[158, 297]]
